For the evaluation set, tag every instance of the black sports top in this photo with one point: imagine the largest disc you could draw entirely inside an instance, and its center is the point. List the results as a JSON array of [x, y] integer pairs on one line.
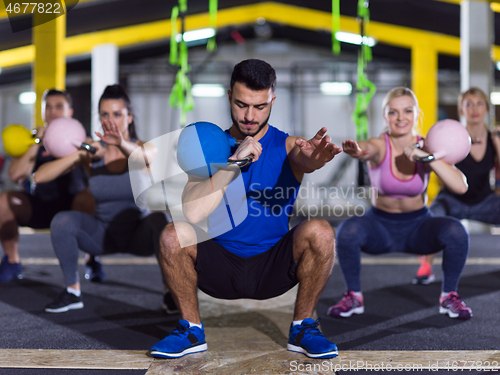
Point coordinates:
[[63, 187], [478, 175]]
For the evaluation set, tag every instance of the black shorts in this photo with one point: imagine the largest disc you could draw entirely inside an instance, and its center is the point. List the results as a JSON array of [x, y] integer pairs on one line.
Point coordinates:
[[222, 274], [43, 211]]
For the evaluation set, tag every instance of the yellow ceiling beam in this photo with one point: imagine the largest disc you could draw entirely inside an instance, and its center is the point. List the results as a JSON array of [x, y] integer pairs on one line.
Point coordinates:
[[17, 56], [459, 1], [399, 36], [284, 14], [495, 4], [83, 44], [124, 36]]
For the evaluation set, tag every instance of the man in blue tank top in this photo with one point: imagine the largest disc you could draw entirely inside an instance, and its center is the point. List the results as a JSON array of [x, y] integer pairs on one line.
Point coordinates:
[[259, 257]]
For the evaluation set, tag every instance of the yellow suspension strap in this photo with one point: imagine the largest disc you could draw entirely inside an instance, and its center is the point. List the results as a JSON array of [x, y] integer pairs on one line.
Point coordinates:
[[181, 96], [364, 87]]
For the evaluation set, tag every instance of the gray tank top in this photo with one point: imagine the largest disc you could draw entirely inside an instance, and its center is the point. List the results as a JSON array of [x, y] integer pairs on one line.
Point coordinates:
[[114, 199]]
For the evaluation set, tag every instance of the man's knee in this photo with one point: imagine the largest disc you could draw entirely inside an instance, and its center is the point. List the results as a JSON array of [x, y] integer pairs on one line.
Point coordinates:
[[168, 236], [176, 236], [15, 205], [316, 230], [319, 235], [4, 204], [8, 223]]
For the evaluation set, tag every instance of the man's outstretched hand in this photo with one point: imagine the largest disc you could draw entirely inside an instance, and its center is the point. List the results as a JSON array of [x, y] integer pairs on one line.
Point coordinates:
[[318, 150]]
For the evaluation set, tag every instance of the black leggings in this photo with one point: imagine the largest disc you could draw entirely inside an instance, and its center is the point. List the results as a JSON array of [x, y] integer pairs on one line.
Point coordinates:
[[72, 231], [417, 232]]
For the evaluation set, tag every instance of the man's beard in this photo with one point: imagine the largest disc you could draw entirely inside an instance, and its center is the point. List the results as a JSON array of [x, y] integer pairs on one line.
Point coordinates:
[[261, 126]]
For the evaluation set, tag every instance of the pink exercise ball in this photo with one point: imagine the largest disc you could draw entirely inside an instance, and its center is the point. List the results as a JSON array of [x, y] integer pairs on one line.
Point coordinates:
[[448, 140], [63, 136]]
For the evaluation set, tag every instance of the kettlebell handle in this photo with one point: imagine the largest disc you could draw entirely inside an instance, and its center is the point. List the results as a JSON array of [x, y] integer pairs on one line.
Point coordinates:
[[423, 159], [89, 148], [239, 163], [33, 134]]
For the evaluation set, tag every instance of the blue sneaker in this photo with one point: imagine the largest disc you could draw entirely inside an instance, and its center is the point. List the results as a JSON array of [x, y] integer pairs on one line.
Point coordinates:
[[183, 340], [307, 338], [93, 270], [10, 271]]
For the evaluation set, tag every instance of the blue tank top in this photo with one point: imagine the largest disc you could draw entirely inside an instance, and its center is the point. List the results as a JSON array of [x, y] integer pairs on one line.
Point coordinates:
[[270, 189], [114, 199]]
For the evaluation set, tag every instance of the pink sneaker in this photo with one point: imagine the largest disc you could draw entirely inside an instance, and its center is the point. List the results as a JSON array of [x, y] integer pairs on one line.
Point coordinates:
[[424, 274], [453, 305], [348, 305]]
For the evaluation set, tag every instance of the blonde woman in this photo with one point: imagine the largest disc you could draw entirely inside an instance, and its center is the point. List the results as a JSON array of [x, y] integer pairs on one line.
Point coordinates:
[[399, 220]]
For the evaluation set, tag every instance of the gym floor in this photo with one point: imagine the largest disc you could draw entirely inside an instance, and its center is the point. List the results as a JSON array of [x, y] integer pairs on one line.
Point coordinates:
[[122, 318]]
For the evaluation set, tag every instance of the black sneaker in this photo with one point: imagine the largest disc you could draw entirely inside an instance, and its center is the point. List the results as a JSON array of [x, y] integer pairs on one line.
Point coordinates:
[[169, 303], [93, 270], [64, 302]]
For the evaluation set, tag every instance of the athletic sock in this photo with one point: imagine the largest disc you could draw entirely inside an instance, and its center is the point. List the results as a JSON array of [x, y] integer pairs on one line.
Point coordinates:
[[295, 322], [194, 325], [76, 292]]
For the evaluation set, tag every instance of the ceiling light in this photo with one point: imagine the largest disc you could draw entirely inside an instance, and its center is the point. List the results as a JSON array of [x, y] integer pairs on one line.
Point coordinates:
[[208, 90], [354, 38], [335, 88], [28, 97], [191, 36], [495, 98]]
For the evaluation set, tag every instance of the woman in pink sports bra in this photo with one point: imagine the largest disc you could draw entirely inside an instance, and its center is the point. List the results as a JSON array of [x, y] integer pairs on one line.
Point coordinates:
[[399, 220]]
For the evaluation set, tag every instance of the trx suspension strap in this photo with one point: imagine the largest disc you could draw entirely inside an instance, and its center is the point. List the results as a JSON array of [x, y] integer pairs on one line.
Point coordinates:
[[364, 87], [180, 97], [212, 12], [335, 26]]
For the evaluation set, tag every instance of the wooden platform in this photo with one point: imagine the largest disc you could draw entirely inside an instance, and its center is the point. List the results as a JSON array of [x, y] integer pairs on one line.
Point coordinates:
[[257, 355], [247, 336]]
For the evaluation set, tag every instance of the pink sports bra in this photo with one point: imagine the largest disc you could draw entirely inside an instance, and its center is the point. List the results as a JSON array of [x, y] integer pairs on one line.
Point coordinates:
[[382, 178]]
